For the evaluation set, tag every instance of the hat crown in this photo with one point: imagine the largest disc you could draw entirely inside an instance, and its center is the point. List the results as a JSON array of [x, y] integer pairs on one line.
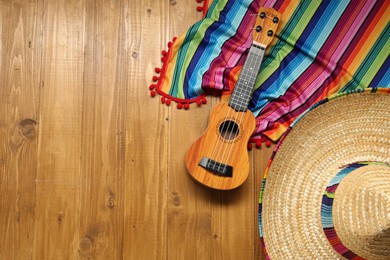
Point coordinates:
[[361, 211]]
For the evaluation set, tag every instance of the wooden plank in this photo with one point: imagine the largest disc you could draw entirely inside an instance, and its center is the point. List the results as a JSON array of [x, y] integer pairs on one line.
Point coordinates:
[[232, 214], [189, 218], [103, 131], [20, 56], [146, 136], [58, 179]]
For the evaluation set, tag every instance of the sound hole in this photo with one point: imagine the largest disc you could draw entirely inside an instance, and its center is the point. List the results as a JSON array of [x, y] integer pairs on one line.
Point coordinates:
[[229, 130]]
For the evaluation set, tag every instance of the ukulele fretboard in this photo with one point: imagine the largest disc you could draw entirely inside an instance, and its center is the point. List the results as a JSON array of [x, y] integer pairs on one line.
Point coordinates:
[[243, 89]]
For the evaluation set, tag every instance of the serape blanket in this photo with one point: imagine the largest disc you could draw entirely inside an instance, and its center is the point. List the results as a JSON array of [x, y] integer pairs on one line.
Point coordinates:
[[321, 48]]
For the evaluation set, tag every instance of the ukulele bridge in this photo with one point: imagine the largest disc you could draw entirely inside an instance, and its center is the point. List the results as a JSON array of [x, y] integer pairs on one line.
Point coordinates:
[[216, 167]]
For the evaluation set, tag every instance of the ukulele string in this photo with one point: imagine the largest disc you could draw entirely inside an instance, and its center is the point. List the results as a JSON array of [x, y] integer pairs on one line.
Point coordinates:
[[220, 162], [238, 119], [232, 133], [251, 64], [219, 140], [228, 140]]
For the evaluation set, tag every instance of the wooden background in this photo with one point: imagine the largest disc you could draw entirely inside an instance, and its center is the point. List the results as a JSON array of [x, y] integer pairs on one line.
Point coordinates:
[[92, 167]]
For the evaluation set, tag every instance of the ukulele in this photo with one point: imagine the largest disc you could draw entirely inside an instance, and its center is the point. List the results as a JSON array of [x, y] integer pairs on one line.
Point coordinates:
[[219, 158]]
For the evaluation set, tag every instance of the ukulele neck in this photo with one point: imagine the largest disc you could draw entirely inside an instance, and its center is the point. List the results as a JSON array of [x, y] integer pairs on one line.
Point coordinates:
[[243, 89]]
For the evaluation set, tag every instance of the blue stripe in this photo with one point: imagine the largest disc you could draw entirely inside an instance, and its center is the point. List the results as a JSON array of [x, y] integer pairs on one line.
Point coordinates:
[[382, 78], [327, 201]]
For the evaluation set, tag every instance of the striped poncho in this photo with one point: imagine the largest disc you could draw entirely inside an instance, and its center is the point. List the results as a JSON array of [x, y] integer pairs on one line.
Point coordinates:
[[321, 48]]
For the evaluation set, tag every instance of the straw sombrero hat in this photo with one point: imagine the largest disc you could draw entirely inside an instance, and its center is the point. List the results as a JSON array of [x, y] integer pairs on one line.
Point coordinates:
[[326, 192]]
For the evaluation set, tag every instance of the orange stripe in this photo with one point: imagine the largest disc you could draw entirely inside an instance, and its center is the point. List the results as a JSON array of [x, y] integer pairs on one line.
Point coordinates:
[[285, 5]]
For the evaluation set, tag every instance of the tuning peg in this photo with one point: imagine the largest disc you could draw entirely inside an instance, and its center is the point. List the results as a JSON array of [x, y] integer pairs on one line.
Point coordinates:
[[258, 28], [275, 20], [262, 15], [270, 33]]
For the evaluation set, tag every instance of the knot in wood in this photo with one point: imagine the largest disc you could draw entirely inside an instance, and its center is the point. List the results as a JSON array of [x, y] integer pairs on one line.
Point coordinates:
[[176, 199], [60, 217], [27, 127], [111, 202], [85, 245]]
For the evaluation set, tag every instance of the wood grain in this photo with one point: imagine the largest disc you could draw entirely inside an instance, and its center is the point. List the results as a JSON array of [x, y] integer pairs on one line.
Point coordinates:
[[103, 131], [146, 141], [19, 121], [56, 228], [92, 167]]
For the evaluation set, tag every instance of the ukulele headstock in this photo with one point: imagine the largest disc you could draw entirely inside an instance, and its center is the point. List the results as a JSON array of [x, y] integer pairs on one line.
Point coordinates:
[[267, 21]]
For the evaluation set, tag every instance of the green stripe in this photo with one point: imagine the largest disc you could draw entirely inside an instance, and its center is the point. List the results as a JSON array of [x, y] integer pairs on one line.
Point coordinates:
[[371, 64], [329, 195], [375, 58], [295, 27]]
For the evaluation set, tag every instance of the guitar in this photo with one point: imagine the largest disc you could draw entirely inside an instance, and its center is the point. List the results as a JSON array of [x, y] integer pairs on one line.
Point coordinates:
[[219, 158]]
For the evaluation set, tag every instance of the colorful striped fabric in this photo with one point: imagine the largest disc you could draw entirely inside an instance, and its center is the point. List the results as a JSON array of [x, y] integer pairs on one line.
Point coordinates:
[[321, 48]]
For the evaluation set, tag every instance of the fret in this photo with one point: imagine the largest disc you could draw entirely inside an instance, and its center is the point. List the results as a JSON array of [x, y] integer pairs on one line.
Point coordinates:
[[244, 87]]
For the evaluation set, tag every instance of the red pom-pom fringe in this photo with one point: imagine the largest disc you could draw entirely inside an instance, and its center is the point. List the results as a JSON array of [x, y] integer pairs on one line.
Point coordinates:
[[154, 87], [203, 8], [165, 99], [181, 105], [201, 101], [258, 142]]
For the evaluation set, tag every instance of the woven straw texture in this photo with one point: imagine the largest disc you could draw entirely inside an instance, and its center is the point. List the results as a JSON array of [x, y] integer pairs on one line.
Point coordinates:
[[361, 211], [345, 130]]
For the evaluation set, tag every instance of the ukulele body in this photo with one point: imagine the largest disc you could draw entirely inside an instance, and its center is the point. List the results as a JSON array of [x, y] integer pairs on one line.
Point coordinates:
[[219, 158]]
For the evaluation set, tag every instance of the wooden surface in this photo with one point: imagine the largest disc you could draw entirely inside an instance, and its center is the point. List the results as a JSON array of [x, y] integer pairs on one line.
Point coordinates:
[[92, 167]]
